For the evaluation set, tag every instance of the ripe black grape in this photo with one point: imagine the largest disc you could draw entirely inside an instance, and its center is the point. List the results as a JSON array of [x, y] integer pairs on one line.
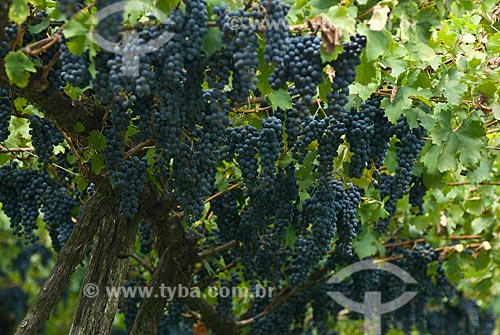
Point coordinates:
[[74, 68], [5, 110], [44, 136], [345, 74], [417, 193], [277, 37]]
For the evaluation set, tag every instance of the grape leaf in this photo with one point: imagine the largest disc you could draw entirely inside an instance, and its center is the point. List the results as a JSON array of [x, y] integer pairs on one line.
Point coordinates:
[[18, 67], [368, 246], [19, 11], [211, 41], [97, 163], [280, 99], [97, 140]]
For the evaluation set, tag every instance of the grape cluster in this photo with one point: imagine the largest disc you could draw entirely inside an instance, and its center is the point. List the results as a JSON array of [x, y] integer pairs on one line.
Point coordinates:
[[22, 261], [10, 35], [194, 28], [321, 212], [359, 133], [396, 186], [347, 222], [369, 133], [13, 305], [74, 68], [310, 130], [383, 130], [417, 193], [295, 117], [328, 144], [57, 213], [286, 198], [131, 179], [22, 194], [190, 180], [303, 67], [21, 197], [408, 149], [270, 144], [147, 239], [239, 37], [243, 143], [5, 110], [70, 7], [277, 38], [345, 74], [44, 136], [110, 27], [227, 211], [462, 317]]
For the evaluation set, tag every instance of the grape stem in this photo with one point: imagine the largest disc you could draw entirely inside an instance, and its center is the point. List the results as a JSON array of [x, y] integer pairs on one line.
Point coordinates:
[[209, 253], [203, 280], [4, 150], [420, 240], [143, 263], [230, 188]]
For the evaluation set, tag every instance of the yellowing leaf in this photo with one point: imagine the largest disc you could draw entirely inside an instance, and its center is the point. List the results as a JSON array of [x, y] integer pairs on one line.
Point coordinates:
[[379, 17], [19, 11], [18, 66]]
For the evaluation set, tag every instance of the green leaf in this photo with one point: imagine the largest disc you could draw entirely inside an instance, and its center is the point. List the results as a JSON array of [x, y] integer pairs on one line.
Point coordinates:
[[211, 41], [367, 246], [20, 103], [19, 11], [343, 18], [366, 72], [167, 5], [97, 163], [290, 237], [468, 140], [75, 28], [400, 103], [493, 44], [39, 27], [72, 92], [496, 110], [377, 42], [265, 71], [453, 267], [323, 5], [18, 66], [431, 159], [280, 99], [81, 184], [77, 45], [481, 224], [482, 173], [453, 88], [79, 127], [97, 140]]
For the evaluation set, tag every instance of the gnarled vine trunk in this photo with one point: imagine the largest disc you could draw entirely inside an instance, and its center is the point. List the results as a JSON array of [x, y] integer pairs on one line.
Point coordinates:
[[70, 256], [108, 267]]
